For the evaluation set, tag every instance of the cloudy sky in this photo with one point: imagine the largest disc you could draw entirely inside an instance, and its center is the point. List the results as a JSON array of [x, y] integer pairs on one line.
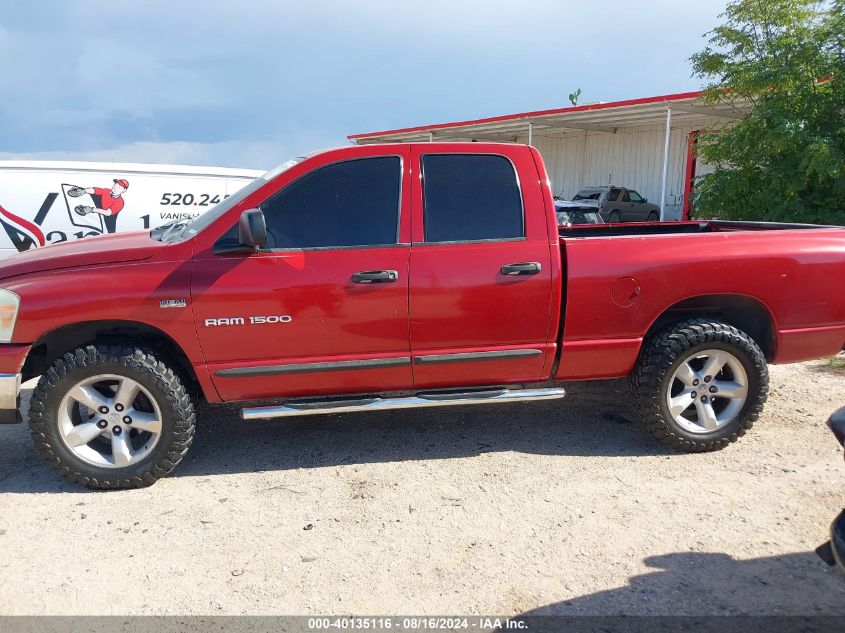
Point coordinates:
[[250, 83]]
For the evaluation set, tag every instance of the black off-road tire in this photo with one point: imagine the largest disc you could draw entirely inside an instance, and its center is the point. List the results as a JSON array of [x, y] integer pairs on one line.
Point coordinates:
[[665, 351], [653, 216], [615, 217], [121, 358]]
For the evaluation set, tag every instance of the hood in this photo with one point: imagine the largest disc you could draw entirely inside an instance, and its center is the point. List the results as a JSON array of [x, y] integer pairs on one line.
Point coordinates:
[[89, 251]]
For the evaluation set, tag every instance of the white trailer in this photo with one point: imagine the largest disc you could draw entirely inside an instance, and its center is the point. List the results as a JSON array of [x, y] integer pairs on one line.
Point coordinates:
[[47, 202]]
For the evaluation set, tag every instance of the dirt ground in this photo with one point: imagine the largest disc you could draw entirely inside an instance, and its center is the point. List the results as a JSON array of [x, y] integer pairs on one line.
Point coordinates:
[[567, 507]]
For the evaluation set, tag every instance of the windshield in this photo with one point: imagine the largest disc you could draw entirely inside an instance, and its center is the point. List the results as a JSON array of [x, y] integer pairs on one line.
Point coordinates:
[[184, 229]]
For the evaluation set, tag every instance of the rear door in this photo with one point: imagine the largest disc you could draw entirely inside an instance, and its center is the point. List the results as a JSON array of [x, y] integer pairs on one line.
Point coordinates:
[[638, 205], [481, 277], [629, 214], [611, 201]]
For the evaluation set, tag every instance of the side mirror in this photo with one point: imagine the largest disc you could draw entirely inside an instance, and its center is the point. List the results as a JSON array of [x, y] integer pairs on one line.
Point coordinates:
[[252, 230], [252, 235], [645, 200]]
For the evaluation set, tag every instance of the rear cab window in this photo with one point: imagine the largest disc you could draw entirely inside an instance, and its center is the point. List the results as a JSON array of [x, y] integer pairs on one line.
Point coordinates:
[[471, 197]]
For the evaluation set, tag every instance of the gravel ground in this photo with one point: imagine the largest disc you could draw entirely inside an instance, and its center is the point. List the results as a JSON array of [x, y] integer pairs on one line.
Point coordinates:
[[565, 507]]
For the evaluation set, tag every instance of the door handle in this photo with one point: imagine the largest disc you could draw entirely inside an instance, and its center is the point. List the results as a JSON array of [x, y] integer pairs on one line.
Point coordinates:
[[375, 277], [522, 268]]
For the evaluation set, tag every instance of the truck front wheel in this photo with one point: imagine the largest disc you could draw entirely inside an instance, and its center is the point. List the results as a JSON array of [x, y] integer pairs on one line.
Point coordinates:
[[700, 385], [112, 416]]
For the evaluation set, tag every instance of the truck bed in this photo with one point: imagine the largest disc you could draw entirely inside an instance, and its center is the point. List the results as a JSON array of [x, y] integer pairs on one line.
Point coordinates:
[[623, 279]]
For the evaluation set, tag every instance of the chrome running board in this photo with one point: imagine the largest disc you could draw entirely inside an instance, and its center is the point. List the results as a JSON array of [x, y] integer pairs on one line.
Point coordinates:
[[432, 399]]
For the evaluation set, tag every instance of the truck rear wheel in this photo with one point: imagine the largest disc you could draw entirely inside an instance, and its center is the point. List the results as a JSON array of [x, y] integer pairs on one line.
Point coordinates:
[[700, 385], [112, 416]]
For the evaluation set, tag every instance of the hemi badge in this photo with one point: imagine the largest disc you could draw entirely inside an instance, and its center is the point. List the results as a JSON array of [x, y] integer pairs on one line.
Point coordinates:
[[173, 303]]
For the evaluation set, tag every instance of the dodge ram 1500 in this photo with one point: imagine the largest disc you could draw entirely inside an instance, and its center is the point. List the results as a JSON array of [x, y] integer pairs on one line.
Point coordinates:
[[398, 276]]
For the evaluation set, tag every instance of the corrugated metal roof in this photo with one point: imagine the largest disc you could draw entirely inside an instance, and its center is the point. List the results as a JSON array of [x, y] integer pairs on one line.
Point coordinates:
[[687, 107]]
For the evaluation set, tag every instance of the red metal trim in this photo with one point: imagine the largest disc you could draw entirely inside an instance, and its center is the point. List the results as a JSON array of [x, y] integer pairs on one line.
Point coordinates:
[[799, 344], [689, 177], [680, 96]]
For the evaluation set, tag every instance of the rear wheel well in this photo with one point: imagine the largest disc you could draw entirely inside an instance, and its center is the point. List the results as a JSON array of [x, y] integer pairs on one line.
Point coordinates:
[[744, 313], [56, 343]]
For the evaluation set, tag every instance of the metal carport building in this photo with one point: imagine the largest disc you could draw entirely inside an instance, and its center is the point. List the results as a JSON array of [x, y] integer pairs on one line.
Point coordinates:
[[646, 144]]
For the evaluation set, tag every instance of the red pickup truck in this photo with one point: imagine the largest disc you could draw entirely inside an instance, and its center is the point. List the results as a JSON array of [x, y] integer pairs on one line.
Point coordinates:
[[400, 276]]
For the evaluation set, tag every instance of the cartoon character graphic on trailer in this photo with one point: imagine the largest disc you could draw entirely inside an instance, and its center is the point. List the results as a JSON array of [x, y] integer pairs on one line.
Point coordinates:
[[105, 202], [91, 211]]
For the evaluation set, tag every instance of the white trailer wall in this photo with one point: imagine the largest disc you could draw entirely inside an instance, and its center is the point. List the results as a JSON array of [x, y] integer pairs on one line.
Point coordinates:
[[37, 207]]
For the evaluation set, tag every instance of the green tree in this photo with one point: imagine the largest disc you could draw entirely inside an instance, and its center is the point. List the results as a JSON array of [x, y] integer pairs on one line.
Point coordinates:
[[784, 161]]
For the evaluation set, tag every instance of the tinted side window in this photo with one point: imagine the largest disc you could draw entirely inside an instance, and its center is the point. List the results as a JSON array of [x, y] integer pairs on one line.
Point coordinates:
[[613, 195], [635, 197], [626, 197], [470, 197], [351, 203]]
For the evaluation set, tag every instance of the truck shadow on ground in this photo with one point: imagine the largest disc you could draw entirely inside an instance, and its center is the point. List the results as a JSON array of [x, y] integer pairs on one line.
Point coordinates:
[[595, 419], [704, 583]]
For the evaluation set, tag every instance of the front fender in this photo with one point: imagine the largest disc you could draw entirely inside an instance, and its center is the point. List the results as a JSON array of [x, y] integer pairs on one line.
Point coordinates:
[[126, 294], [131, 292]]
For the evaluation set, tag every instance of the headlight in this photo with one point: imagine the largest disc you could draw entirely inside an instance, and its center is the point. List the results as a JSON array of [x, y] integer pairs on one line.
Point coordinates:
[[9, 304]]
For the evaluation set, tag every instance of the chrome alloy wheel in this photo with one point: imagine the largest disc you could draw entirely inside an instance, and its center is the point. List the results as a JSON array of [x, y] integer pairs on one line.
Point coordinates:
[[109, 421], [707, 390]]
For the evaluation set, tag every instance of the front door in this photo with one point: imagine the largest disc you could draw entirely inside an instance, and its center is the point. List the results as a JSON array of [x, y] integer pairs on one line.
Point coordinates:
[[323, 309], [638, 205], [480, 268]]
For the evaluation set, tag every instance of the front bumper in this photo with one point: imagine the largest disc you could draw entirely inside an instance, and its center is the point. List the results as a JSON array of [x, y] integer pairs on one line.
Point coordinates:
[[12, 358], [10, 399]]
